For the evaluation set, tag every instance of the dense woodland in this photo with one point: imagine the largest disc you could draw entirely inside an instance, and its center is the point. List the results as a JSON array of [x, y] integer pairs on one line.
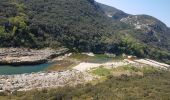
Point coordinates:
[[80, 25]]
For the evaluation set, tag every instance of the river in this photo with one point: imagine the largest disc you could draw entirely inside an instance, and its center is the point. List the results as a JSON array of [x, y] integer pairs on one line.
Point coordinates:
[[10, 70]]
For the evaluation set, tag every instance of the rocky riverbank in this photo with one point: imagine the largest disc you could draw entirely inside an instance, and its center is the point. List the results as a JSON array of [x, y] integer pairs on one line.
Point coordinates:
[[24, 82], [25, 56]]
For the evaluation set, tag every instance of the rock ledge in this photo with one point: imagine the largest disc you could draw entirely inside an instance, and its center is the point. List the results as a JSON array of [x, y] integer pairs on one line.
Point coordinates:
[[25, 56]]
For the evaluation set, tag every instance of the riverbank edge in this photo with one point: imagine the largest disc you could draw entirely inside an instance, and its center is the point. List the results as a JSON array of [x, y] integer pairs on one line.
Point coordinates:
[[42, 60]]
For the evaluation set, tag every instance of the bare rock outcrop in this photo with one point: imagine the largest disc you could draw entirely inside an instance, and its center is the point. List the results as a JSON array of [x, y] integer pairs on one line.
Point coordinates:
[[20, 56]]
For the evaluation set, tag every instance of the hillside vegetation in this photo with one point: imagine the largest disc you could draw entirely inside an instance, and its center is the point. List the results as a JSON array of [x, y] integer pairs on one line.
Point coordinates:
[[80, 25], [72, 23]]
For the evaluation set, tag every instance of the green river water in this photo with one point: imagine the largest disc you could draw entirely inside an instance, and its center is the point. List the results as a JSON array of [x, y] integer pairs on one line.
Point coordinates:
[[10, 70]]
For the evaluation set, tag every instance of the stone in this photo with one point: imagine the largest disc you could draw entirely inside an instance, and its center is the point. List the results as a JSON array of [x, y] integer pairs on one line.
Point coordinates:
[[25, 56]]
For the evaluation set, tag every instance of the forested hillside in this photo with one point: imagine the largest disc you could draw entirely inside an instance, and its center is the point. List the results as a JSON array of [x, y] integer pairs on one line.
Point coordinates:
[[80, 25]]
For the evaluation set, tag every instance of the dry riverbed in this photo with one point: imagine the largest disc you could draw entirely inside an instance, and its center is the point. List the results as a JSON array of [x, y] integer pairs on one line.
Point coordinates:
[[24, 82]]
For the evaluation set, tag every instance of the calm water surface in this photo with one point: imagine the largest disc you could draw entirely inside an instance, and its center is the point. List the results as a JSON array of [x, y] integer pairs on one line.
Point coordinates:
[[10, 70]]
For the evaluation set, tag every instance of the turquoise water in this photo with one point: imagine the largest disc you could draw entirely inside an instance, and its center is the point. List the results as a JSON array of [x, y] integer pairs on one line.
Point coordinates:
[[10, 70]]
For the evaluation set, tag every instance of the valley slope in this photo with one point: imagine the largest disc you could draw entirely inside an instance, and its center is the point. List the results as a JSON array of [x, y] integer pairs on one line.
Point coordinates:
[[82, 25]]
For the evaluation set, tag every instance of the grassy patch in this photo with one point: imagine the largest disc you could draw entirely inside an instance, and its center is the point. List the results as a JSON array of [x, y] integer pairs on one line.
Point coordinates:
[[101, 71], [145, 69], [101, 56], [131, 68], [80, 57], [149, 70], [61, 66], [126, 68]]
